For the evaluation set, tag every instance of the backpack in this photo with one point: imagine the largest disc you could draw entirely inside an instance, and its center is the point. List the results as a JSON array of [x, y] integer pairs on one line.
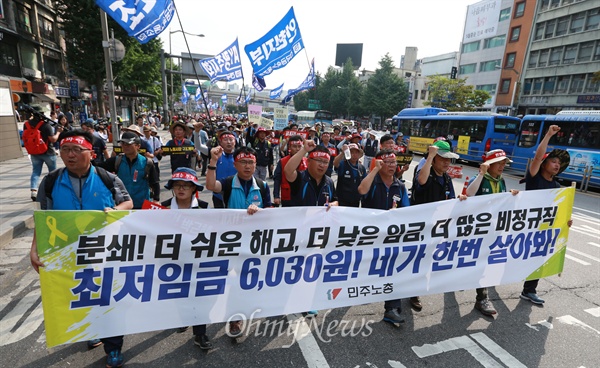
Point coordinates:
[[32, 139], [51, 179]]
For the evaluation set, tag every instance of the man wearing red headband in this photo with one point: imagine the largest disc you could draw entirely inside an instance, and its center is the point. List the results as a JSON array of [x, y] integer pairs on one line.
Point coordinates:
[[311, 187], [81, 186], [240, 191], [280, 180], [224, 166]]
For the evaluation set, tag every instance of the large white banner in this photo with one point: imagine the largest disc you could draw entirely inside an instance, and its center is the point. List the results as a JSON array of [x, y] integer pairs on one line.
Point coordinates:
[[482, 20], [128, 272]]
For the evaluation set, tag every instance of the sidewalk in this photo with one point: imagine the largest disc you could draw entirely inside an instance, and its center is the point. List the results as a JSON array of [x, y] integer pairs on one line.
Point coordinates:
[[16, 206]]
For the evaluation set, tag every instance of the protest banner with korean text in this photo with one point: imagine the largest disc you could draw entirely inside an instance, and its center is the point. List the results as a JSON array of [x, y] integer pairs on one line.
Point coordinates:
[[123, 272]]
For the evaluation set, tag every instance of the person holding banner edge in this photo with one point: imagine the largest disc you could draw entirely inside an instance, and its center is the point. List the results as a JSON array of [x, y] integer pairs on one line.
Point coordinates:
[[542, 173], [489, 181], [83, 181]]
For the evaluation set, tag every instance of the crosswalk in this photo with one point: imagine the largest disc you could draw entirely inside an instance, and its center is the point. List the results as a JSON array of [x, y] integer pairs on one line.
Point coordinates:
[[585, 222]]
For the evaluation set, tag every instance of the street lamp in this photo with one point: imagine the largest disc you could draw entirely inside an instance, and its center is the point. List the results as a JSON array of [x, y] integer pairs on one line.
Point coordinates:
[[171, 59]]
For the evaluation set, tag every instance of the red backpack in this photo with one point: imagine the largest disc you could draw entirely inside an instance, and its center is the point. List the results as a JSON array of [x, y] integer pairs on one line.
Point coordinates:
[[32, 139]]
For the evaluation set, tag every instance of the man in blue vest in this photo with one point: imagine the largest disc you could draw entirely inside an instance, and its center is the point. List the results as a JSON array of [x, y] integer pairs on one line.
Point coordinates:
[[80, 186], [135, 170]]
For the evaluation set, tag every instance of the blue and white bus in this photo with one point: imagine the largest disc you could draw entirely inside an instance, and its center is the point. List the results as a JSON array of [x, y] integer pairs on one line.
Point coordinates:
[[579, 135], [310, 118], [472, 133]]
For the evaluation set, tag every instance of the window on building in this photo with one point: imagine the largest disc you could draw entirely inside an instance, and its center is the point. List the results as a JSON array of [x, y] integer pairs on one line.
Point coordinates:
[[545, 5], [593, 19], [585, 52], [489, 88], [549, 83], [543, 58], [510, 60], [505, 86], [515, 33], [527, 87], [539, 31], [8, 55], [554, 3], [52, 66], [562, 26], [423, 94], [555, 55], [570, 54], [489, 66], [46, 29], [29, 56], [596, 56], [549, 30], [467, 68], [577, 22], [23, 18], [536, 89], [504, 14], [591, 86], [470, 47], [562, 84], [497, 41], [416, 96], [533, 59], [519, 9], [577, 82]]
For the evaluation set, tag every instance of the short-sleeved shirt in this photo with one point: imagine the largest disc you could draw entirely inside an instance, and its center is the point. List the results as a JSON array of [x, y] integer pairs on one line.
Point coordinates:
[[538, 182]]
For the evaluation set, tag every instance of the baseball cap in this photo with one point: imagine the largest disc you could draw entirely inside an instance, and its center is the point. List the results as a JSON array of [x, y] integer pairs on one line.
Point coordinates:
[[130, 138], [444, 150], [494, 156]]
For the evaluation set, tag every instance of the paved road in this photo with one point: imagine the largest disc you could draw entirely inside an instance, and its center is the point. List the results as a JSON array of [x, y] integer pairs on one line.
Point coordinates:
[[565, 332]]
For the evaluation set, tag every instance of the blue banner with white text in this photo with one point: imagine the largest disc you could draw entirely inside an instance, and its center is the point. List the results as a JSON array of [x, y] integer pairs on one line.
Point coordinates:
[[226, 65]]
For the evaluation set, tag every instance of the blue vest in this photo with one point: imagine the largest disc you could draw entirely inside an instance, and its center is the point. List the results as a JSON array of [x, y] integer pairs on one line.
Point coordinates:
[[225, 169], [138, 189], [309, 195], [94, 194], [239, 200]]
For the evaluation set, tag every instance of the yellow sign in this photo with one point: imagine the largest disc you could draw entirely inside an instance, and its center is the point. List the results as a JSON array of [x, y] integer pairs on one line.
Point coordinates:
[[463, 144], [420, 145], [179, 150]]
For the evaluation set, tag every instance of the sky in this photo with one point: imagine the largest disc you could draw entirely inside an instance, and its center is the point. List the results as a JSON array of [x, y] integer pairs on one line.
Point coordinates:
[[383, 26]]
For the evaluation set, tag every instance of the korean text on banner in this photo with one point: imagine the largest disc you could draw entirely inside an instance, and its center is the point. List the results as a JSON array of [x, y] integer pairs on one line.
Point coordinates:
[[226, 65], [277, 48], [254, 114], [144, 19], [158, 270], [280, 115]]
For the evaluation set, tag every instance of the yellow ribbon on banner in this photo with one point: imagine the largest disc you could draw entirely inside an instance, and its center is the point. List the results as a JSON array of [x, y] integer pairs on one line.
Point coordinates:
[[51, 222]]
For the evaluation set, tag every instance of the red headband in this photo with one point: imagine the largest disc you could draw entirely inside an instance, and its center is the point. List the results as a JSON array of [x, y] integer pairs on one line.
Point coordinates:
[[386, 155], [243, 155], [77, 140], [295, 143], [183, 175], [314, 154]]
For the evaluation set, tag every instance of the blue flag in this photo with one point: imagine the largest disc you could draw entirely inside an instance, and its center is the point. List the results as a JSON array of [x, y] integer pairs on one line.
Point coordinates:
[[142, 19], [248, 96], [198, 95], [277, 48], [258, 83], [309, 82], [185, 95], [275, 93], [226, 65], [224, 99]]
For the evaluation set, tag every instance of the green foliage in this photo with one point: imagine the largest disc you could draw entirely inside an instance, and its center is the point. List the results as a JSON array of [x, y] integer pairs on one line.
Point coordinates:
[[454, 94], [385, 93]]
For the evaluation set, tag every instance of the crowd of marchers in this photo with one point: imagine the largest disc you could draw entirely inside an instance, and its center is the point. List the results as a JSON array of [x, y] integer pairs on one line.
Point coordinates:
[[236, 158]]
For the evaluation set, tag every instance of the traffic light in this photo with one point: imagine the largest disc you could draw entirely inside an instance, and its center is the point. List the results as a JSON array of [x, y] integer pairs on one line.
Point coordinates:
[[453, 72]]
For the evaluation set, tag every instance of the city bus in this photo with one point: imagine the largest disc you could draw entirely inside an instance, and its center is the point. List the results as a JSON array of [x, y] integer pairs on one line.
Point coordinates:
[[471, 133], [292, 116], [579, 135], [310, 118]]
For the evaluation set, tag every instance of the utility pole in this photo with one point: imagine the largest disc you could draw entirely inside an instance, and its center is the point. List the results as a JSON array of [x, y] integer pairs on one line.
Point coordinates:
[[109, 77]]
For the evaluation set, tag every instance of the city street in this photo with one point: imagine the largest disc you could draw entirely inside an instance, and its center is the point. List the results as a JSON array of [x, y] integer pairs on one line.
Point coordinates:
[[448, 332]]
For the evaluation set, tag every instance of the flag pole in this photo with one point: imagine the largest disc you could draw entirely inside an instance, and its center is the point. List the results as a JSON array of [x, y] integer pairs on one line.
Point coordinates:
[[109, 78]]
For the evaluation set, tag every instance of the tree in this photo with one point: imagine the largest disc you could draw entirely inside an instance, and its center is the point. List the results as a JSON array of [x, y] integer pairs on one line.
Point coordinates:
[[139, 70], [385, 93], [454, 94]]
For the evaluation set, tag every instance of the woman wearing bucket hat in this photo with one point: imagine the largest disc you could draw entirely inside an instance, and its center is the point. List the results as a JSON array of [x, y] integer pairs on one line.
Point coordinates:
[[489, 181], [185, 186], [542, 175]]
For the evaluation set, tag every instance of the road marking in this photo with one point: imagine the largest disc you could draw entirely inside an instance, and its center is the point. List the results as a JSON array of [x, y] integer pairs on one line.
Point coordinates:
[[570, 320], [583, 209], [593, 229], [395, 364], [581, 231], [593, 311], [584, 255], [496, 350], [585, 218], [594, 244], [306, 341], [22, 283], [456, 343], [544, 323], [10, 320], [577, 260]]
